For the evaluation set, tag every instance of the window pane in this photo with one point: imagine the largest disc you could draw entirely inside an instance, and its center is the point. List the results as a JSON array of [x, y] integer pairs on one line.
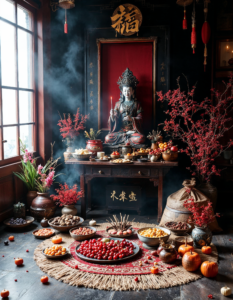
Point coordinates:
[[8, 57], [25, 59], [10, 147], [9, 106], [25, 107], [24, 17], [7, 10], [26, 136]]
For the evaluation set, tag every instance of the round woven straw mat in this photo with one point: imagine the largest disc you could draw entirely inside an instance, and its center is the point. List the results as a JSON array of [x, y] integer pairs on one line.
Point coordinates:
[[118, 276]]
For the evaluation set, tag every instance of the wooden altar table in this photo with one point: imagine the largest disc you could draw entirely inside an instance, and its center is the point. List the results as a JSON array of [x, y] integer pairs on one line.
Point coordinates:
[[91, 169]]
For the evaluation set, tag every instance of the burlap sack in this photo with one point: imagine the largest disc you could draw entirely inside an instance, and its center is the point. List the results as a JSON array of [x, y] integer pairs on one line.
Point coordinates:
[[175, 211]]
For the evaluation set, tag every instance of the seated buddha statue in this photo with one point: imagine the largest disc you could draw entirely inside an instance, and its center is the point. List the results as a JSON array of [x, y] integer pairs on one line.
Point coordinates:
[[125, 121]]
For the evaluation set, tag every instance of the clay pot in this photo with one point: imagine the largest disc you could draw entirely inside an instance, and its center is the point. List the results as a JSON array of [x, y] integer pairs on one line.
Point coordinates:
[[94, 146], [170, 156], [202, 236], [69, 210], [44, 222], [154, 145], [42, 206], [30, 196], [126, 149], [168, 255]]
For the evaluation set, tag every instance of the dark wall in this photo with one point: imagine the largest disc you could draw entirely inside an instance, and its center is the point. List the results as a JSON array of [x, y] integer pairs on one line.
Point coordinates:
[[66, 79]]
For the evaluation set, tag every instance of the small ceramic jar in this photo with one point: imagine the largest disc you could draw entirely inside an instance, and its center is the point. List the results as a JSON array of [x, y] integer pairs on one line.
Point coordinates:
[[168, 254]]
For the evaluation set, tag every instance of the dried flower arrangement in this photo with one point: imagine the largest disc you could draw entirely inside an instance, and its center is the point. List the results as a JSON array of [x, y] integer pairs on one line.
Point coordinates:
[[67, 195], [121, 225], [200, 126], [70, 128]]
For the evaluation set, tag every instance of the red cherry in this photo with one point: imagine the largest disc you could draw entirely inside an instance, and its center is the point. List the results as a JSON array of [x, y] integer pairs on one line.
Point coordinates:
[[27, 250], [26, 270], [148, 257], [76, 267], [136, 279], [15, 280]]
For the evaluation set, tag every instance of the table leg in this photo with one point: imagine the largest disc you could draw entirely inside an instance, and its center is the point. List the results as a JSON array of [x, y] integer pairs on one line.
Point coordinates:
[[83, 203], [160, 195], [89, 194]]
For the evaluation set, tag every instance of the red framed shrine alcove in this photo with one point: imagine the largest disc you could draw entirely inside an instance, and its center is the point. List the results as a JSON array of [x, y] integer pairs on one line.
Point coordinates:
[[114, 56]]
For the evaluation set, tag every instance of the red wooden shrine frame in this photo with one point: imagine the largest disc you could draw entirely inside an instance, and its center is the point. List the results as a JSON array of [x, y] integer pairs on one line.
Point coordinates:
[[100, 42]]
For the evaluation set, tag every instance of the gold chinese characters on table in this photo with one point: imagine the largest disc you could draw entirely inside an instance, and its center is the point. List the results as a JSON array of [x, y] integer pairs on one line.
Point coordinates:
[[126, 19]]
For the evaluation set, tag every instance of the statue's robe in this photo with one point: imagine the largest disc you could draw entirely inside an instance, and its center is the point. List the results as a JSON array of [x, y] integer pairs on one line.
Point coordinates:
[[121, 131]]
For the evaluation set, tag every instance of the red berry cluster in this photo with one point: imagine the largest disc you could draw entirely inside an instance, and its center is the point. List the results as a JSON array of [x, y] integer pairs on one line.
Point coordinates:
[[201, 125], [111, 251]]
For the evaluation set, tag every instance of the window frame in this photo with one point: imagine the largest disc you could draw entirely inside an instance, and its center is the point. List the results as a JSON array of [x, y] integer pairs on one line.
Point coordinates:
[[33, 89]]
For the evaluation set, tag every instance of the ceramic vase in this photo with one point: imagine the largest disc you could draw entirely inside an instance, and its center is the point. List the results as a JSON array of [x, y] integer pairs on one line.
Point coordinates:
[[202, 236], [69, 210], [210, 192], [30, 196], [94, 146], [42, 206]]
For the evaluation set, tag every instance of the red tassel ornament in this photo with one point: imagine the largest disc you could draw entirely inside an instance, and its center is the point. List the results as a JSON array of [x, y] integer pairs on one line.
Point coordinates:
[[193, 33], [205, 35], [66, 4], [193, 38], [185, 25], [65, 25]]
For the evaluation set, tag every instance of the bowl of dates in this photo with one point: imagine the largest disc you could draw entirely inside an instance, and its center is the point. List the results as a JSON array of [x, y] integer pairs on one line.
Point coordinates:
[[82, 232], [19, 222], [65, 222], [178, 228]]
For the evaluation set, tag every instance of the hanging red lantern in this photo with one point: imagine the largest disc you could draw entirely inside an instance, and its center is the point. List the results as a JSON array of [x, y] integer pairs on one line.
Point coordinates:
[[193, 33], [205, 34], [184, 3], [66, 4]]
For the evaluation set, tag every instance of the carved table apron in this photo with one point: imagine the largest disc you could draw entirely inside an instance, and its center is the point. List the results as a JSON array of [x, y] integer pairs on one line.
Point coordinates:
[[91, 169]]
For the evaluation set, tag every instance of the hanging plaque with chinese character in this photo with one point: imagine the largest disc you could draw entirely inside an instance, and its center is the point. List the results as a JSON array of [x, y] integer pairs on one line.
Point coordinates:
[[124, 197], [126, 19]]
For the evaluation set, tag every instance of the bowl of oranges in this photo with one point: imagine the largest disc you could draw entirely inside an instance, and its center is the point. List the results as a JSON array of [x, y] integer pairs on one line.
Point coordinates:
[[54, 252], [115, 155], [128, 156]]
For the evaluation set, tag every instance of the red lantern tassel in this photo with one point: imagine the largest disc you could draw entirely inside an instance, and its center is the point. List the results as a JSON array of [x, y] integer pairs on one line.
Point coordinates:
[[185, 25], [193, 38], [65, 25]]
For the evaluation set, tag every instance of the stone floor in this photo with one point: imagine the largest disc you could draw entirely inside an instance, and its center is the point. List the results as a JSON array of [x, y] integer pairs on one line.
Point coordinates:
[[29, 287]]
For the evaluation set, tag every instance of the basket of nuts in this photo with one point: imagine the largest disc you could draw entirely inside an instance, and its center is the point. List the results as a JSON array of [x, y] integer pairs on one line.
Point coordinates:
[[65, 222]]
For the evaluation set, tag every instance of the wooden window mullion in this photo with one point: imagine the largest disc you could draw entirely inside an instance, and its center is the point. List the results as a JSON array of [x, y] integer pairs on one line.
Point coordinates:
[[17, 82]]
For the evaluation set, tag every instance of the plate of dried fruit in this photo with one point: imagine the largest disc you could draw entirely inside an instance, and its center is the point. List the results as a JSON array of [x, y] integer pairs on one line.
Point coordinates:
[[43, 233], [55, 252], [107, 250]]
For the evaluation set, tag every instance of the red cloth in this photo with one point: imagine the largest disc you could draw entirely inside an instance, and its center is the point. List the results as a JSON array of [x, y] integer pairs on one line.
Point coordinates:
[[115, 58]]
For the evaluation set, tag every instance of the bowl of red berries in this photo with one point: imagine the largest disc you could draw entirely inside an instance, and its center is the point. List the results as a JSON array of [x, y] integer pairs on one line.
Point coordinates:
[[115, 155], [106, 250]]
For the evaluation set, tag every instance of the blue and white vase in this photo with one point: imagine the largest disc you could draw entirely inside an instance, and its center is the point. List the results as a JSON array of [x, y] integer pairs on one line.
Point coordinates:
[[202, 236]]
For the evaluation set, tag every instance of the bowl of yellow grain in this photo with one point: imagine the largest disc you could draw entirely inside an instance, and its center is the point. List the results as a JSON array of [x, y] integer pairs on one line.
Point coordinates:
[[152, 236]]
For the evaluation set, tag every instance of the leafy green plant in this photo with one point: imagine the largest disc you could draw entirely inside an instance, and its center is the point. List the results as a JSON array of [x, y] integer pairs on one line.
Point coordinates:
[[92, 135], [29, 173]]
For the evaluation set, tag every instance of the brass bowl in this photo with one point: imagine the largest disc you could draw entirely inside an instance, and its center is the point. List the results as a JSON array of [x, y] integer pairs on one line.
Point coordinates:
[[115, 156], [172, 156]]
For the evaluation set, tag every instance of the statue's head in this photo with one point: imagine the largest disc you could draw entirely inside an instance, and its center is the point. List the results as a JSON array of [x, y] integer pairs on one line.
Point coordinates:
[[127, 83]]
